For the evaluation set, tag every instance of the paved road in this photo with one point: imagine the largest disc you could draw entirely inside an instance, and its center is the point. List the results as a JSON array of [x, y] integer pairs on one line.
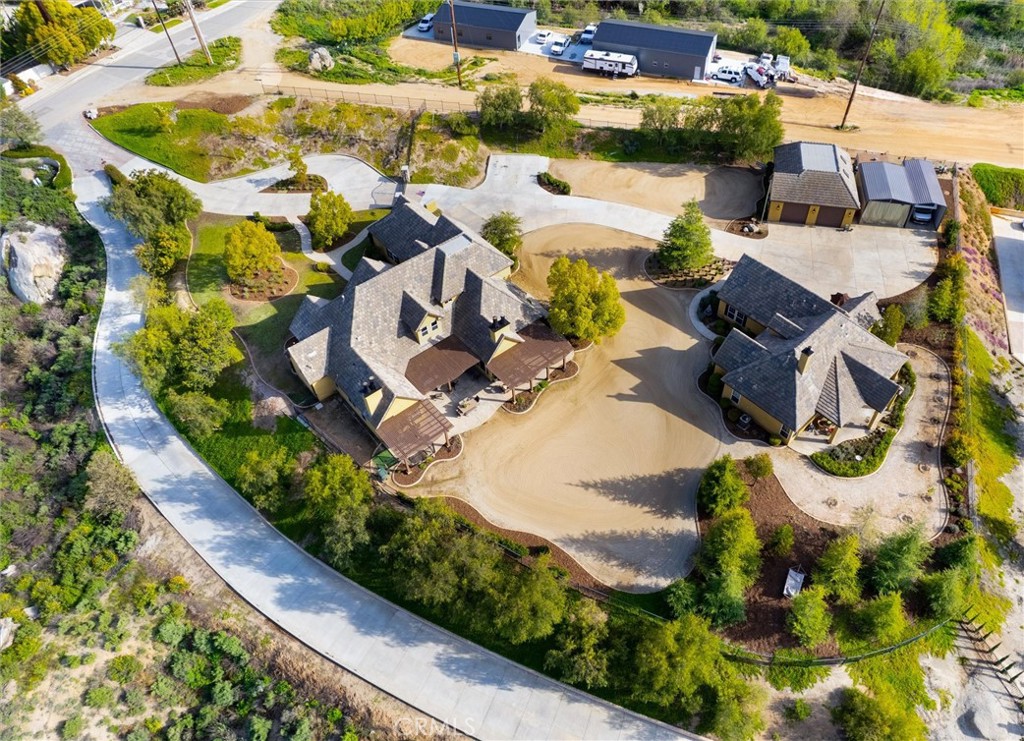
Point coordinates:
[[1009, 239], [453, 680]]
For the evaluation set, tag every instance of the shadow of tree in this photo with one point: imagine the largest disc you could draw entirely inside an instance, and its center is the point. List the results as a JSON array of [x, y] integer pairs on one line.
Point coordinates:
[[637, 552], [669, 494]]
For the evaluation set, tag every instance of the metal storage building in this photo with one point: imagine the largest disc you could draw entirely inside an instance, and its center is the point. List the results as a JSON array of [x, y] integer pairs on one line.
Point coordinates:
[[885, 194], [661, 50], [892, 195], [813, 184], [493, 26]]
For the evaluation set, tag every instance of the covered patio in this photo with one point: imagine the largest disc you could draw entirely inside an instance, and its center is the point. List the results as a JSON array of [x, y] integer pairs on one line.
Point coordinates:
[[416, 433], [541, 350]]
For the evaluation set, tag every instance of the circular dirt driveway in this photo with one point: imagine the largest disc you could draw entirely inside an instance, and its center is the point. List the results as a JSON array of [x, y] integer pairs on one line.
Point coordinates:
[[606, 465]]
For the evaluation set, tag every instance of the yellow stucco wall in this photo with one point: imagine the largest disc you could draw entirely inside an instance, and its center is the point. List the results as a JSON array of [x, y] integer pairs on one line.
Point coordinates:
[[504, 344], [398, 405], [372, 400], [755, 327], [775, 211], [812, 215], [765, 420], [323, 388], [848, 216]]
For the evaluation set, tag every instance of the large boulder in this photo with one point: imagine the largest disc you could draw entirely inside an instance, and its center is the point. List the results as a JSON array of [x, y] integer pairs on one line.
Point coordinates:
[[33, 262], [320, 59]]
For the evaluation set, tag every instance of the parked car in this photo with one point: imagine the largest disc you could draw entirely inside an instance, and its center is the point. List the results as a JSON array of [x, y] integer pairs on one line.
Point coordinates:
[[727, 74], [426, 23], [542, 37], [559, 45], [922, 215], [588, 34]]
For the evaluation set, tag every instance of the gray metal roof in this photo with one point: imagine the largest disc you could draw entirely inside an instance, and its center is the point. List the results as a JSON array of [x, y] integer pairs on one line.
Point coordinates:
[[813, 173], [481, 15], [849, 369], [885, 181], [924, 183], [661, 38]]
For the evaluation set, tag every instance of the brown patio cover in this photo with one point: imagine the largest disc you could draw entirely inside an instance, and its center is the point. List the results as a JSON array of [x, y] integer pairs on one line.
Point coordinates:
[[542, 348], [440, 364], [413, 430]]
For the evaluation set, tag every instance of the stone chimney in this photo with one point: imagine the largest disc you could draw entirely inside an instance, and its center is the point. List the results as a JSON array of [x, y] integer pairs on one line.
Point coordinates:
[[805, 357]]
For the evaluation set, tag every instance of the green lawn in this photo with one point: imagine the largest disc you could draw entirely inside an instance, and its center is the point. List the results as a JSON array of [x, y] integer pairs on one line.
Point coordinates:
[[262, 325], [994, 448], [138, 129], [157, 28], [226, 54]]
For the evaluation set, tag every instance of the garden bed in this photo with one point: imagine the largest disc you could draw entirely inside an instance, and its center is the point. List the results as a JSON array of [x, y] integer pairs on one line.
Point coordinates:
[[855, 458], [267, 285], [449, 452], [753, 431], [703, 277], [312, 184]]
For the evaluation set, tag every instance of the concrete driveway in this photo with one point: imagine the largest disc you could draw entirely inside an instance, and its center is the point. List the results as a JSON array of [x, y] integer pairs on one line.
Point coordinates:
[[825, 260], [1009, 239]]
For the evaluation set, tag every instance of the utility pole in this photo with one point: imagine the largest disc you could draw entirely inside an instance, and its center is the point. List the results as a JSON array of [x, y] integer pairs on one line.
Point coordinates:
[[860, 70], [160, 18], [199, 34], [455, 43]]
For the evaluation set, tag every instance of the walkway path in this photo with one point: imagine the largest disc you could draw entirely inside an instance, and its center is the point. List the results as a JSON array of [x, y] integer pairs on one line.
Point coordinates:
[[461, 684], [1009, 240]]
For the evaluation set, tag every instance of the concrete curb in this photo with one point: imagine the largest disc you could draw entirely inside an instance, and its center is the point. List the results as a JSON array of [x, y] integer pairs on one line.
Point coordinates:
[[693, 311]]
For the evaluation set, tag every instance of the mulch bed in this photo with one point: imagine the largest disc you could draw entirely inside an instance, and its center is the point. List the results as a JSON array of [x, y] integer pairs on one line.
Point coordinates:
[[413, 477], [765, 628], [753, 430], [699, 278], [226, 104], [577, 575], [267, 289], [736, 227]]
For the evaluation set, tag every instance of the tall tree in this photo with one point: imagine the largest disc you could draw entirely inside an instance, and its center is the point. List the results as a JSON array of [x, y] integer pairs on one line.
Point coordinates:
[[551, 103], [500, 106], [531, 602], [150, 200], [207, 346], [300, 171], [17, 127], [721, 487], [328, 218], [838, 569], [898, 561], [584, 303], [661, 115], [335, 483], [249, 251], [686, 244], [111, 487], [809, 619], [580, 657], [504, 231], [162, 249], [57, 32]]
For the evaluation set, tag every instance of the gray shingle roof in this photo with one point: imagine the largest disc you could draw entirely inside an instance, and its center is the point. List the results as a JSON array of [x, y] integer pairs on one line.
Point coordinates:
[[366, 335], [924, 183], [761, 293], [885, 181], [648, 36], [816, 174], [850, 368], [480, 15], [411, 229]]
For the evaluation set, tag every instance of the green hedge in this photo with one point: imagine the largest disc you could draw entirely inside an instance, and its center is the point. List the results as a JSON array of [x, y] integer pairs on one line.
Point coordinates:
[[849, 468], [62, 180], [562, 187], [908, 379], [1003, 186], [116, 176]]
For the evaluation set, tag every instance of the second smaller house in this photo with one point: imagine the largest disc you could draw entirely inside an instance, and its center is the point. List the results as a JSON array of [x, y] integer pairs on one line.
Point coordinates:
[[813, 184], [794, 359], [493, 26], [900, 195]]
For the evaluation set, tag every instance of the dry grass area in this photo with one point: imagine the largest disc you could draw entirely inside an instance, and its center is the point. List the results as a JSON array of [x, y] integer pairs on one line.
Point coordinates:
[[605, 466]]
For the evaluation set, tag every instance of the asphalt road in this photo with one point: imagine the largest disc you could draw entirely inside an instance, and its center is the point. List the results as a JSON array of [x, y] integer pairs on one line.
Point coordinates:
[[461, 684]]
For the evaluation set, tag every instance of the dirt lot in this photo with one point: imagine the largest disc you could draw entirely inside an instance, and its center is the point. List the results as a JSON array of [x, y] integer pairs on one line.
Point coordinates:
[[724, 192], [615, 454]]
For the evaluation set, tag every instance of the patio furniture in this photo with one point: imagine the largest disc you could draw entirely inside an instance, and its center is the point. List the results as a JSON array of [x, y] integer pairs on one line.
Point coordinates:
[[466, 406]]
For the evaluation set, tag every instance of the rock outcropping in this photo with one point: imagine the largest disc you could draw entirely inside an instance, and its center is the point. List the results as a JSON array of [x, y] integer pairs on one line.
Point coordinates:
[[320, 59], [33, 262]]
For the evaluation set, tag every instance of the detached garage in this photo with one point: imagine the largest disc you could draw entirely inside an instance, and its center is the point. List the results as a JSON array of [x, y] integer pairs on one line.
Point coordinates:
[[813, 184], [491, 26], [661, 50], [900, 195]]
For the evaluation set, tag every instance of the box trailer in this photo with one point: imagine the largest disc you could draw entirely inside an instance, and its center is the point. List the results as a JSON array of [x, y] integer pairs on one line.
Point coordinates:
[[610, 63]]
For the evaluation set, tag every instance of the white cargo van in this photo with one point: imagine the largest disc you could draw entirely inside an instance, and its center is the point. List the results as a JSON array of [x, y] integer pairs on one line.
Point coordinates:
[[610, 63]]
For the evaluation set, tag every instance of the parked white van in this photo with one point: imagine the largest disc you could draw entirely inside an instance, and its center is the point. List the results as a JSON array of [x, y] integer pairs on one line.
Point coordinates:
[[727, 74]]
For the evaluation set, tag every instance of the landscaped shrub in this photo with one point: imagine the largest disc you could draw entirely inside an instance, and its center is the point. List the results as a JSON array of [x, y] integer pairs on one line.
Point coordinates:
[[889, 329], [944, 592], [715, 385], [865, 718], [733, 414], [721, 488], [792, 669], [800, 710], [774, 440], [559, 186], [958, 448], [759, 466], [908, 379], [781, 543], [810, 621], [116, 176], [898, 560], [838, 569], [881, 619], [63, 179], [841, 460]]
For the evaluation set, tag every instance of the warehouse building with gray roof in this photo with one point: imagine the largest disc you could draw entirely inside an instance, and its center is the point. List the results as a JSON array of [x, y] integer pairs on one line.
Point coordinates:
[[664, 51]]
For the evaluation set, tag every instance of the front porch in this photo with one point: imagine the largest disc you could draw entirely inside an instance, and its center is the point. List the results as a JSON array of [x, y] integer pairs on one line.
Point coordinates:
[[821, 434]]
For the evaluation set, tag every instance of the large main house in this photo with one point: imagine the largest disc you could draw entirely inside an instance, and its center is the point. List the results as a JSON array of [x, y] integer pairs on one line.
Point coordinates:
[[398, 339], [793, 358]]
